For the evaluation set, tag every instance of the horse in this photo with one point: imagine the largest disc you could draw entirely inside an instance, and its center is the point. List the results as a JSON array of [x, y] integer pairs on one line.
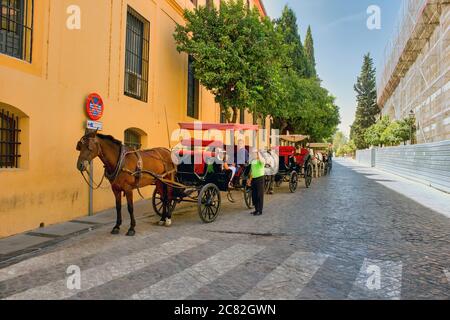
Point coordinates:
[[126, 169], [317, 162]]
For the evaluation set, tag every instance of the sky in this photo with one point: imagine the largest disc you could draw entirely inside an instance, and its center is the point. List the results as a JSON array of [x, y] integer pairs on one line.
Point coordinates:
[[341, 38]]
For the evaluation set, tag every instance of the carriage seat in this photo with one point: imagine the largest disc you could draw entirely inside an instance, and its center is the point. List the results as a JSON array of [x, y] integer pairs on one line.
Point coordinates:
[[302, 157]]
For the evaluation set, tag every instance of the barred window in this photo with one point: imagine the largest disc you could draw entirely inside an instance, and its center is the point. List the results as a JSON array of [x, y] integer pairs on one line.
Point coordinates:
[[16, 28], [193, 91], [9, 140], [133, 139], [137, 56]]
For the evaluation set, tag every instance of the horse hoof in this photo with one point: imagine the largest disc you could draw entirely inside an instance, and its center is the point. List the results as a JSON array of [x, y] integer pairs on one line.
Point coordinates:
[[115, 231], [131, 233], [168, 223], [161, 223]]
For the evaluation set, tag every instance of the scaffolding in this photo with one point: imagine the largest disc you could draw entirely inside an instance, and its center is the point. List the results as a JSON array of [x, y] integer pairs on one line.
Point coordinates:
[[416, 69]]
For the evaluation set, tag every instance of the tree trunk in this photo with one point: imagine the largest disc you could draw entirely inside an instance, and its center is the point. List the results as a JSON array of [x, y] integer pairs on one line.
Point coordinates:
[[283, 126], [235, 115]]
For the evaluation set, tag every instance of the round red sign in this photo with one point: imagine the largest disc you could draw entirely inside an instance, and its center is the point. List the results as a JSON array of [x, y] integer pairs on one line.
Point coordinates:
[[94, 107]]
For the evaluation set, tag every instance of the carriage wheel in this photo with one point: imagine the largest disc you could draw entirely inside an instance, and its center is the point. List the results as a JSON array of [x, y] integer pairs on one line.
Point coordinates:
[[158, 204], [308, 175], [248, 197], [293, 182], [209, 203]]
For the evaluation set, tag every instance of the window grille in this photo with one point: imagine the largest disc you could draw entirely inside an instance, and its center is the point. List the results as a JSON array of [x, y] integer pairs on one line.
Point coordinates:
[[9, 140]]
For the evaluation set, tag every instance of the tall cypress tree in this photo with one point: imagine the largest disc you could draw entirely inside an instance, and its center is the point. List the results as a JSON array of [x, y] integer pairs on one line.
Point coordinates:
[[288, 25], [366, 97], [309, 52]]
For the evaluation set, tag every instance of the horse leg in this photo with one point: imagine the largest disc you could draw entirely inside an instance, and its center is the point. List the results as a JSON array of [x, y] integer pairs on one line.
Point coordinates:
[[129, 194], [118, 195], [166, 218]]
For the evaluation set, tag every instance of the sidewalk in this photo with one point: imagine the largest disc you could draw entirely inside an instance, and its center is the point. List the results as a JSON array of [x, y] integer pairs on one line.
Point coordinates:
[[31, 242], [427, 196]]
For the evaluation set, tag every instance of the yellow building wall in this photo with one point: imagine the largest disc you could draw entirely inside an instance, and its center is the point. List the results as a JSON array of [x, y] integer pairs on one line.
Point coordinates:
[[49, 94]]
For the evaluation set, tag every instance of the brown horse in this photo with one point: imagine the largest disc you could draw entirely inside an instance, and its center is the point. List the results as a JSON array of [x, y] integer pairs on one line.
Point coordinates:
[[124, 169]]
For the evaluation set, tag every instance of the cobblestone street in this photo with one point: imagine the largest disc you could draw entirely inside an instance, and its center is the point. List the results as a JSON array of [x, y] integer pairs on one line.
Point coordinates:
[[352, 235]]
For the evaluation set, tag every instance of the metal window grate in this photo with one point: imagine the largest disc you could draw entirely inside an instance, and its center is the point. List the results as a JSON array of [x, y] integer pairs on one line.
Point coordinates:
[[133, 139], [9, 140], [193, 92], [137, 56], [16, 28]]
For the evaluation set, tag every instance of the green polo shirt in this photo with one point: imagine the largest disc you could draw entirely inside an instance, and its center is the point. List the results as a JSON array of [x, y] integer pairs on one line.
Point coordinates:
[[257, 169]]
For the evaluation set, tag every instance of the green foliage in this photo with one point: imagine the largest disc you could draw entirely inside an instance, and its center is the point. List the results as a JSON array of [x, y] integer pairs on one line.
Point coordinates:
[[390, 136], [373, 134], [259, 65], [347, 149], [306, 108], [339, 140], [385, 132], [318, 115], [287, 25], [310, 56], [231, 47], [367, 108]]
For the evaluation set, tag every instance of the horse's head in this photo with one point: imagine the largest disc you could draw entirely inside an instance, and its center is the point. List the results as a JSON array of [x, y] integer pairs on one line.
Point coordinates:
[[89, 149]]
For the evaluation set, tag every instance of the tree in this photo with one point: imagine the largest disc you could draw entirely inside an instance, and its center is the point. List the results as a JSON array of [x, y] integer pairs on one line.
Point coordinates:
[[287, 25], [406, 130], [309, 52], [339, 140], [373, 134], [347, 149], [367, 108], [230, 47], [317, 114], [391, 136]]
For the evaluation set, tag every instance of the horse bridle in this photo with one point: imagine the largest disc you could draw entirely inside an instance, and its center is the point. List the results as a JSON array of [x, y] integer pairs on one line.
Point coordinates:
[[111, 177]]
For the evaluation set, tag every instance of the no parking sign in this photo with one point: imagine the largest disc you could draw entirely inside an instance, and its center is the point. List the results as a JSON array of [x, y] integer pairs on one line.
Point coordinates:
[[94, 106]]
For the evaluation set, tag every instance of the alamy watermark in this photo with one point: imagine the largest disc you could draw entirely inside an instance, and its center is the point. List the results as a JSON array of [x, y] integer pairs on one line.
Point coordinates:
[[74, 279], [374, 19], [374, 277], [73, 21]]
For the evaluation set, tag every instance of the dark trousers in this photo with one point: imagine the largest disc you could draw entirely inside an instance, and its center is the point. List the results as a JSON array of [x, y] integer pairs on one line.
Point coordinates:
[[258, 194]]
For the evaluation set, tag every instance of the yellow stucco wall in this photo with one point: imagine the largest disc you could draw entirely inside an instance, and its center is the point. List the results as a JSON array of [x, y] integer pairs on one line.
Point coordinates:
[[49, 94]]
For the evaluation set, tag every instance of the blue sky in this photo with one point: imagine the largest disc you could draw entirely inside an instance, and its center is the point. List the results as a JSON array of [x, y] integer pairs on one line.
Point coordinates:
[[341, 39]]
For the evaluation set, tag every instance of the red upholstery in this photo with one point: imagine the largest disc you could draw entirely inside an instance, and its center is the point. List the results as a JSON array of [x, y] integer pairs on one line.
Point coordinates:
[[286, 151]]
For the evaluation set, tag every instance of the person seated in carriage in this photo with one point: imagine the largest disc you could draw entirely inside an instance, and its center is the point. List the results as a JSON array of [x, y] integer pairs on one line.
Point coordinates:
[[225, 165], [242, 156], [230, 167]]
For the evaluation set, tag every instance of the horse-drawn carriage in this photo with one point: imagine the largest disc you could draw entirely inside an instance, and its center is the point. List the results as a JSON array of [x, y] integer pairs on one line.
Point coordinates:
[[200, 179], [294, 163], [202, 174], [322, 158]]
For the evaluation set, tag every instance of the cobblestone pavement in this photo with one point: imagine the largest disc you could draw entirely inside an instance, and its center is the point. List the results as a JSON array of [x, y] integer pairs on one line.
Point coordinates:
[[347, 237]]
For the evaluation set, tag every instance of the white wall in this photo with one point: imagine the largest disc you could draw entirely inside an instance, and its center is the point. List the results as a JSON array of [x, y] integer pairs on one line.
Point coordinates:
[[426, 163]]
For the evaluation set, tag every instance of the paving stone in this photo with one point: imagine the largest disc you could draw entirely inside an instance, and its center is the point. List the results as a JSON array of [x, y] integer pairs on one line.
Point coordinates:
[[319, 243], [19, 242]]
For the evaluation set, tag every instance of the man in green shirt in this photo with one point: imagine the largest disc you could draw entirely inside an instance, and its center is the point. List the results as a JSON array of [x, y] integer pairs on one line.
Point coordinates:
[[256, 181]]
